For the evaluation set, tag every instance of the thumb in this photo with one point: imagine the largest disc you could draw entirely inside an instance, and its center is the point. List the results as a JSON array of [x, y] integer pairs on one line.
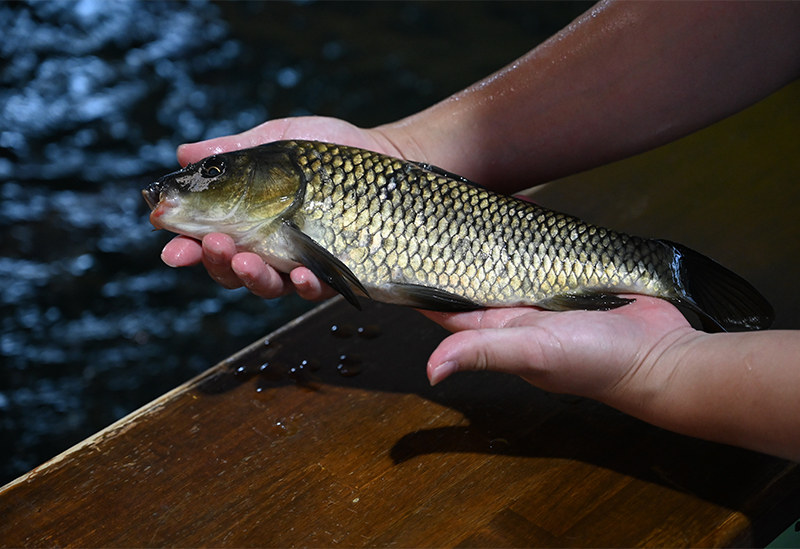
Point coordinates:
[[524, 351]]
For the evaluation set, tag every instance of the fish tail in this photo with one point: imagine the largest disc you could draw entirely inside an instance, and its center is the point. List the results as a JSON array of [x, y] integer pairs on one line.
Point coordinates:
[[724, 301]]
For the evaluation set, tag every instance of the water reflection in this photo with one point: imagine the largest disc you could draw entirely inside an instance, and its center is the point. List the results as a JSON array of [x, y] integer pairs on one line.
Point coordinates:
[[95, 96], [83, 80]]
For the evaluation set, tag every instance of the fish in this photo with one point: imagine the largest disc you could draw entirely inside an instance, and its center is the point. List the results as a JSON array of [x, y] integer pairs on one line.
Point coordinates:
[[412, 234]]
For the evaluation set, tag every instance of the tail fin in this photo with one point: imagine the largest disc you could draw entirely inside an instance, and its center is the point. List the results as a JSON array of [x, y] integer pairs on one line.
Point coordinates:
[[723, 300]]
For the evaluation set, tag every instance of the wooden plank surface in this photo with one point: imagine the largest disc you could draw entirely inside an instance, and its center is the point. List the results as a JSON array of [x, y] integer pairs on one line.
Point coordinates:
[[260, 451], [245, 457]]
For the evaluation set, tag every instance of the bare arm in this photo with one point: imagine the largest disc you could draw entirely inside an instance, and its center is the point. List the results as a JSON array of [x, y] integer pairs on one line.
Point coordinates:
[[740, 389], [623, 78]]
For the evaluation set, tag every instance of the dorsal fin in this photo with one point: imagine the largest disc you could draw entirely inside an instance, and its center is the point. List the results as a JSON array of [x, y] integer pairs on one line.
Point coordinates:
[[439, 171]]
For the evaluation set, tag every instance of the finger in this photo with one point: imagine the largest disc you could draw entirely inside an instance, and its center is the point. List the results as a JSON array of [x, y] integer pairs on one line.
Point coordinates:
[[218, 251], [182, 251], [258, 277], [519, 351], [310, 287]]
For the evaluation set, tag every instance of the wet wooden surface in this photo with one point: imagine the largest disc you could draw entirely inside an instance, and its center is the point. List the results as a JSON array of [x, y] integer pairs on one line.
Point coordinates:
[[275, 447]]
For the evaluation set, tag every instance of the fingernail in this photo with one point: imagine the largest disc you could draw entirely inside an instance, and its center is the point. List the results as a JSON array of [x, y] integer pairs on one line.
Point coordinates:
[[176, 254], [168, 263], [442, 371]]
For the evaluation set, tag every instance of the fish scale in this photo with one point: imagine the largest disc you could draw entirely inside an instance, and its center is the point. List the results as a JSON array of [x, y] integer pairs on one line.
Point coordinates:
[[410, 233], [493, 249]]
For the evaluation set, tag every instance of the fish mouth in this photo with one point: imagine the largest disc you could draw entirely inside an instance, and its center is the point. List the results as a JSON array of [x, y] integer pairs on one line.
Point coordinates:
[[152, 194]]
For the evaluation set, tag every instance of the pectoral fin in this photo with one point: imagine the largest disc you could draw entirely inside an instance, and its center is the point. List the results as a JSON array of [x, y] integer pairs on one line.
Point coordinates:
[[323, 264], [423, 297], [586, 301]]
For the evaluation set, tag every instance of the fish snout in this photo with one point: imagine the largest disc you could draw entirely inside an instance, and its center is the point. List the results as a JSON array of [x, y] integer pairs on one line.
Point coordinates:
[[152, 194]]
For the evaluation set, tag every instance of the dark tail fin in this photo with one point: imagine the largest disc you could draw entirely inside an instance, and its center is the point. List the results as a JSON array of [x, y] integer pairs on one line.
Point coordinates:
[[723, 300]]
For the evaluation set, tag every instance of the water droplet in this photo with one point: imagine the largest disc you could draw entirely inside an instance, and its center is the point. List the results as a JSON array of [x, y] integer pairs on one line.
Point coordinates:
[[498, 444], [349, 365], [285, 427], [243, 371], [342, 331], [271, 371], [301, 374], [263, 385], [310, 364], [371, 331]]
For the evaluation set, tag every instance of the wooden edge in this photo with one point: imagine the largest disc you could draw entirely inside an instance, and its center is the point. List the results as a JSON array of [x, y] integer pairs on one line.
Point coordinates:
[[127, 422]]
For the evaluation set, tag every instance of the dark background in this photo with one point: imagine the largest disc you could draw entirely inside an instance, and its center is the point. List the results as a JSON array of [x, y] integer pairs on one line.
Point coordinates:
[[96, 95]]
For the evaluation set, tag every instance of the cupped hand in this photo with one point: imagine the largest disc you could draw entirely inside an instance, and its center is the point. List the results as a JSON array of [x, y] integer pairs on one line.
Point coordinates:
[[612, 356], [218, 253]]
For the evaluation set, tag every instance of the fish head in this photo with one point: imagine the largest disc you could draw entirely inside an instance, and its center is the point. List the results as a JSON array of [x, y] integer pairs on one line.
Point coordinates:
[[235, 193]]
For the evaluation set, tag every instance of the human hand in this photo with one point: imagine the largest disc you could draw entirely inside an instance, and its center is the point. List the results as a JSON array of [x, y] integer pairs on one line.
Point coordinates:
[[618, 356], [217, 251]]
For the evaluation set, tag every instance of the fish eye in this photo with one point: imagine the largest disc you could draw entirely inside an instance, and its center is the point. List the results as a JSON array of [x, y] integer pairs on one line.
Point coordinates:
[[212, 167]]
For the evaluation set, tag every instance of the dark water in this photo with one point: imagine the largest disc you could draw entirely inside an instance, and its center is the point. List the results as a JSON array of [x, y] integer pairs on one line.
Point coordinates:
[[95, 97]]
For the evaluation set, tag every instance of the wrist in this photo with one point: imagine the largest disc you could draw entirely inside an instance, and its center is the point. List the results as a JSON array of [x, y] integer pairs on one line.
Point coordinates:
[[433, 136], [652, 388]]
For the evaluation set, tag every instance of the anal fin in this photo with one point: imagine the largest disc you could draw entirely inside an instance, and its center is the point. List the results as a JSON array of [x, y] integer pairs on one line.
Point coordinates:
[[324, 265], [590, 301]]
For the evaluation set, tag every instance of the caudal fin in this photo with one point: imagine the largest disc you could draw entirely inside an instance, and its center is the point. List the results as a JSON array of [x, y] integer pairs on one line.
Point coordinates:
[[723, 300]]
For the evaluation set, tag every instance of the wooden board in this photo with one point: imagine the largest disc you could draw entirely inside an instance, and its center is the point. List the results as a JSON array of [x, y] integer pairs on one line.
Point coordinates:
[[249, 457], [261, 452]]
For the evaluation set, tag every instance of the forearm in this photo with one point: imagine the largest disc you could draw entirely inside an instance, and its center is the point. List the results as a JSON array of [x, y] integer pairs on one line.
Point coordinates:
[[738, 389], [623, 78]]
